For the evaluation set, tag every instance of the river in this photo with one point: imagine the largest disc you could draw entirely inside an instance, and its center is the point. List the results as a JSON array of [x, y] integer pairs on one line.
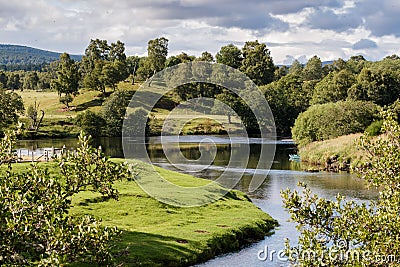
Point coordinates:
[[283, 174]]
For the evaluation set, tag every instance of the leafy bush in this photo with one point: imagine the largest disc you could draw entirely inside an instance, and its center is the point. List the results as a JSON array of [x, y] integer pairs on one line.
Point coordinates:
[[114, 111], [326, 121], [340, 232], [374, 128], [35, 226], [91, 123]]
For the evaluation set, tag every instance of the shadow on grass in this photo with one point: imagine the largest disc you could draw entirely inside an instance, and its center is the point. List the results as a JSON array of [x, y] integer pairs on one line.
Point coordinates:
[[145, 249], [92, 103]]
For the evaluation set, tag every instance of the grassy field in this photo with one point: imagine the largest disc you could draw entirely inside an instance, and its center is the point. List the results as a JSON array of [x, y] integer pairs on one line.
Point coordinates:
[[157, 234], [59, 121], [343, 150]]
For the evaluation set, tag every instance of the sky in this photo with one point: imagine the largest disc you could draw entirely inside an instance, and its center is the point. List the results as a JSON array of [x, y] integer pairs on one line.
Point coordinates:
[[291, 29]]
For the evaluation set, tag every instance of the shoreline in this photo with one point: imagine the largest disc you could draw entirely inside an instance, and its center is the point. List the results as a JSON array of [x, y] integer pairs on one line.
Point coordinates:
[[157, 234]]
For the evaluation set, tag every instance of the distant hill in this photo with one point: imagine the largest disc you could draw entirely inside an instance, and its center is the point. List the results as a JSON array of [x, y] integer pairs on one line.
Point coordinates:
[[14, 57]]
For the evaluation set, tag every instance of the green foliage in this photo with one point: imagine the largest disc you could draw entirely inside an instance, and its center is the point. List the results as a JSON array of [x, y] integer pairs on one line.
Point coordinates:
[[35, 225], [230, 55], [104, 65], [326, 121], [91, 123], [206, 56], [257, 63], [374, 128], [313, 69], [287, 98], [114, 111], [333, 87], [157, 51], [10, 106], [365, 235], [67, 81], [380, 86]]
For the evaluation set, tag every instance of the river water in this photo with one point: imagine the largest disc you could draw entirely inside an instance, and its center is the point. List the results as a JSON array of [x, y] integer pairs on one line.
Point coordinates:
[[283, 174]]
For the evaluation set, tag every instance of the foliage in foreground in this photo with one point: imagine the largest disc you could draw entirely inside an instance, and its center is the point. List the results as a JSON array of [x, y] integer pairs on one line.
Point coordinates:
[[35, 227], [345, 233]]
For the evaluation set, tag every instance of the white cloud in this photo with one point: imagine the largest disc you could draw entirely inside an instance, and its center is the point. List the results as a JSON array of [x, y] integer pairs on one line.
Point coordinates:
[[328, 28]]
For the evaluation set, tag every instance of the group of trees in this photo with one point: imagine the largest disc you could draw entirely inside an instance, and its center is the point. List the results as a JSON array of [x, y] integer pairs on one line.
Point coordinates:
[[300, 87], [290, 90]]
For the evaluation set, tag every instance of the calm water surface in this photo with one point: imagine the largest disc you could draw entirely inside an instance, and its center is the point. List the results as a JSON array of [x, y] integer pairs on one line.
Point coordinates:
[[284, 174]]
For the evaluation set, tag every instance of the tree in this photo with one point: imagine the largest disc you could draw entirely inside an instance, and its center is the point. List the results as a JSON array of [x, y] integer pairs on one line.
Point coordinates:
[[257, 63], [31, 80], [10, 106], [287, 98], [32, 113], [380, 86], [13, 81], [114, 111], [67, 81], [104, 65], [132, 63], [90, 123], [36, 227], [340, 232], [206, 56], [333, 87], [296, 68], [157, 51], [313, 69], [230, 55], [3, 79]]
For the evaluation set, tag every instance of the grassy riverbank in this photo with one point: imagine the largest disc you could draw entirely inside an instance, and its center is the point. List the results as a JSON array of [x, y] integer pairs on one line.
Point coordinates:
[[333, 155], [156, 234]]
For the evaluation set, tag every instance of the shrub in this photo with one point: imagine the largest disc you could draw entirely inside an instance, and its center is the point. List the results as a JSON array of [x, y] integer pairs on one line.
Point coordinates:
[[91, 123], [374, 128], [326, 121]]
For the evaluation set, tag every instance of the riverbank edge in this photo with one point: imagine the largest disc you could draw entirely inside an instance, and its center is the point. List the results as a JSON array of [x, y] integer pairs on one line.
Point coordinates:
[[339, 154], [231, 234]]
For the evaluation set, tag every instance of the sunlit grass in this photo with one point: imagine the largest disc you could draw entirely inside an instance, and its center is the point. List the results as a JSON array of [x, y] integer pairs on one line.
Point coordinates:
[[157, 234], [344, 148]]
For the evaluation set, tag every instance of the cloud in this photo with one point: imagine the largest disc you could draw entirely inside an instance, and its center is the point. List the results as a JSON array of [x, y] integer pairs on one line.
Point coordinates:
[[326, 19], [328, 28], [364, 44]]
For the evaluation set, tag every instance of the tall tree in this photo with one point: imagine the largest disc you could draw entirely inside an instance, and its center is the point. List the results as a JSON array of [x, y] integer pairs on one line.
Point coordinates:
[[104, 65], [257, 63], [10, 106], [206, 56], [296, 68], [313, 69], [157, 51], [333, 87], [230, 55], [67, 82]]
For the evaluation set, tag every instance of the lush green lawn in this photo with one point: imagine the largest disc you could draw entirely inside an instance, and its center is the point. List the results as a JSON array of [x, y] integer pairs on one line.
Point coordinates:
[[157, 234]]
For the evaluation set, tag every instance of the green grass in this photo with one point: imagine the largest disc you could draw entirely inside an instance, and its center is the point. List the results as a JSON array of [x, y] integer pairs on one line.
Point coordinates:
[[58, 121], [343, 148], [157, 234]]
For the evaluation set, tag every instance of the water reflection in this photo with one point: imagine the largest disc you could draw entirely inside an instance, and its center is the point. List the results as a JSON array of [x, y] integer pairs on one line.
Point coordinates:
[[284, 174]]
